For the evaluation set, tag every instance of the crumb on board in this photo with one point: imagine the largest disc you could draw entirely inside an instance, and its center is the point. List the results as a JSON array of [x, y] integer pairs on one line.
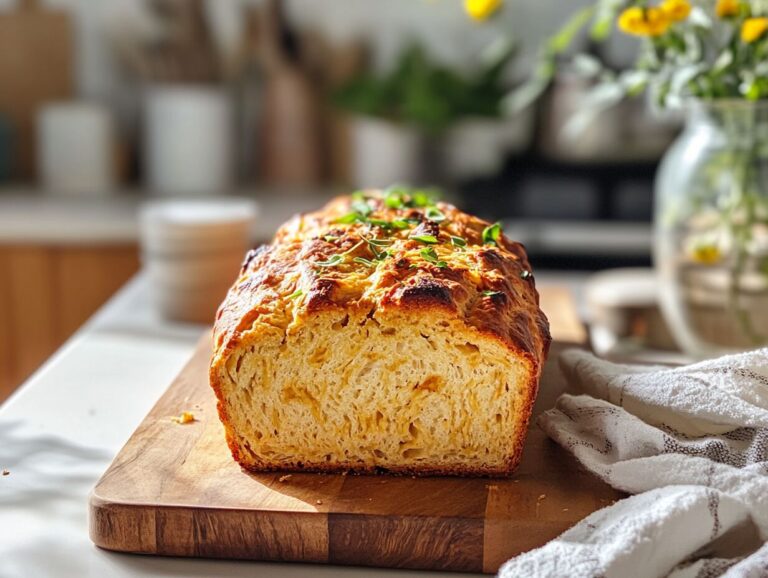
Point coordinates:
[[542, 496], [319, 502], [565, 509], [285, 477], [184, 417], [6, 473]]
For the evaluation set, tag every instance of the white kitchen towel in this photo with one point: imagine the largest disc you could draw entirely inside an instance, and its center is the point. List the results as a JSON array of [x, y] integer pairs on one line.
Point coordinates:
[[692, 442]]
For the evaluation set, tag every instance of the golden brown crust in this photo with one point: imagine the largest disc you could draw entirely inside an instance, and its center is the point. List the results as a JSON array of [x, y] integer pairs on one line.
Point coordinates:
[[317, 263]]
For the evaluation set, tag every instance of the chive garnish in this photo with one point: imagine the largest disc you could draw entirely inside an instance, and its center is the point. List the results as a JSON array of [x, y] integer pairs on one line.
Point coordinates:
[[394, 199], [366, 262], [492, 234], [297, 293], [434, 214], [490, 293], [427, 239], [430, 256], [362, 208], [348, 218], [380, 242], [331, 261]]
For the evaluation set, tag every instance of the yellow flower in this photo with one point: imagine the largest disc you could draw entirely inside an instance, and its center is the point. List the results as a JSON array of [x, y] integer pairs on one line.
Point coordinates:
[[727, 8], [676, 10], [753, 29], [481, 10], [705, 253], [644, 21]]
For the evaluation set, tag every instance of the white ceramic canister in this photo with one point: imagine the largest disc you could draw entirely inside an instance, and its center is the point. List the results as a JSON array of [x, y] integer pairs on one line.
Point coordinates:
[[76, 148], [188, 140]]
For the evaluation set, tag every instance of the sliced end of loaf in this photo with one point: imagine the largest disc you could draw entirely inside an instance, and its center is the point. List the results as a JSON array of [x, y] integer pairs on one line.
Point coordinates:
[[369, 391]]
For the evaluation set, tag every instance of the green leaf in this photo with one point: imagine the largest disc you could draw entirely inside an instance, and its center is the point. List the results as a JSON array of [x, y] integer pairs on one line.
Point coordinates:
[[348, 218], [365, 262], [421, 198], [434, 214], [400, 224], [606, 12], [330, 238], [380, 223], [489, 293], [394, 199], [492, 234], [362, 208], [458, 241], [331, 262], [430, 256], [427, 239], [295, 294], [562, 40], [380, 242]]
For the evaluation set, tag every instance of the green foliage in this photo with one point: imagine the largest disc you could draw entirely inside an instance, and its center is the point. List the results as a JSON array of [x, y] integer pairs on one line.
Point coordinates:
[[428, 95], [702, 56]]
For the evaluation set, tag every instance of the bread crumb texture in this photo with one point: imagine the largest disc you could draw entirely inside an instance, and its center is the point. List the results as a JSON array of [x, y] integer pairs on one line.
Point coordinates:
[[381, 333], [184, 417]]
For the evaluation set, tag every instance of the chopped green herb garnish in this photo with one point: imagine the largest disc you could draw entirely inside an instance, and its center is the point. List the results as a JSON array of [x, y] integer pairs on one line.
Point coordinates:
[[362, 208], [394, 198], [348, 218], [400, 224], [380, 223], [297, 293], [380, 242], [492, 234], [330, 238], [331, 261], [525, 274], [366, 262], [428, 239], [430, 256], [491, 293], [458, 241], [420, 199], [434, 214], [359, 196]]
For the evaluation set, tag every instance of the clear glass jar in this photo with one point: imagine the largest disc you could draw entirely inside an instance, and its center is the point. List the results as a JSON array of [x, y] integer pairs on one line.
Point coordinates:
[[711, 229]]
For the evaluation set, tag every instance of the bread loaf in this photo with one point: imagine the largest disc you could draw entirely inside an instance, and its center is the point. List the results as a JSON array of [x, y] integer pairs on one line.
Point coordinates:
[[381, 333]]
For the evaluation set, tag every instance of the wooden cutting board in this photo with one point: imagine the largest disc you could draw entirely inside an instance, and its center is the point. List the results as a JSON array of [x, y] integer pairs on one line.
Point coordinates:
[[36, 67], [175, 490]]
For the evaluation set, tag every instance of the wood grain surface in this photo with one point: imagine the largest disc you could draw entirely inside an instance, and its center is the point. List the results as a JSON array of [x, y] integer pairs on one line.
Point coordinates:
[[175, 490]]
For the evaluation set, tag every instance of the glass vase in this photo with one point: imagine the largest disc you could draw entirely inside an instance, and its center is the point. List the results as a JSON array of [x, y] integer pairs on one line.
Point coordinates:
[[711, 229]]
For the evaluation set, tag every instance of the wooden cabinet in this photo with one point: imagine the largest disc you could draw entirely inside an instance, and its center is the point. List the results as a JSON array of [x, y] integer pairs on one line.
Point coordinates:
[[46, 293]]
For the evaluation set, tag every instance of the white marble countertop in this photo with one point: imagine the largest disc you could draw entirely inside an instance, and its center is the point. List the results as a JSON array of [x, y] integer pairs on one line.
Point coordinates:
[[61, 429]]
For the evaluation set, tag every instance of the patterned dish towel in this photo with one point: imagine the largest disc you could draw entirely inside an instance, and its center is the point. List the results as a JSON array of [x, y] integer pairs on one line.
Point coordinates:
[[691, 442]]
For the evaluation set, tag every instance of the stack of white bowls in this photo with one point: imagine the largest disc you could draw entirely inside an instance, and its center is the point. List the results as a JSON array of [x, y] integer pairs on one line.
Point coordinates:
[[192, 252]]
